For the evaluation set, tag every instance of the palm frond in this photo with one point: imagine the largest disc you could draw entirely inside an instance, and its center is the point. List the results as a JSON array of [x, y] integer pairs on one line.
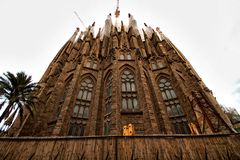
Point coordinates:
[[2, 104], [17, 91]]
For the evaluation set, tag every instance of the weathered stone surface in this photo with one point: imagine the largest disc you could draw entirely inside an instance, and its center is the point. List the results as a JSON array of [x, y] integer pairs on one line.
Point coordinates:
[[148, 60], [169, 147]]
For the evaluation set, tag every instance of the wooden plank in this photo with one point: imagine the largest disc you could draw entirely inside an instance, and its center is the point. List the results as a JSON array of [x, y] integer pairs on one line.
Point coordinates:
[[117, 147]]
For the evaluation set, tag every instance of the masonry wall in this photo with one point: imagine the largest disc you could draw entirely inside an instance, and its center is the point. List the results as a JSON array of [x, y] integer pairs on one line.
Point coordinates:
[[152, 57], [170, 147]]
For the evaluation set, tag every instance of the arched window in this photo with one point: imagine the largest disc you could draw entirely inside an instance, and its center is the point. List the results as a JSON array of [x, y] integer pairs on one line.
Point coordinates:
[[88, 64], [81, 109], [158, 64], [154, 66], [121, 57], [108, 98], [77, 129], [108, 105], [91, 64], [129, 93], [64, 95], [94, 65], [174, 109], [125, 56], [107, 127], [129, 57], [161, 64]]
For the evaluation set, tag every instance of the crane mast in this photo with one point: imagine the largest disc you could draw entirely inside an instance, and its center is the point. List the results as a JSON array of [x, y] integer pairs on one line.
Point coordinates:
[[117, 12], [79, 19]]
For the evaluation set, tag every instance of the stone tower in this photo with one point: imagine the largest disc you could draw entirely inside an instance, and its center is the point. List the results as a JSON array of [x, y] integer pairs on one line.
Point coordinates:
[[97, 84]]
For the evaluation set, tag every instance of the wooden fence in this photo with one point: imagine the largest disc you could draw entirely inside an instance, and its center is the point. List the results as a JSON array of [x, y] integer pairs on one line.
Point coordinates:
[[164, 147]]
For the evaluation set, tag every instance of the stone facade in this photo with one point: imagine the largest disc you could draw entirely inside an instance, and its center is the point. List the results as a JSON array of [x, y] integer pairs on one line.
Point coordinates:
[[96, 85]]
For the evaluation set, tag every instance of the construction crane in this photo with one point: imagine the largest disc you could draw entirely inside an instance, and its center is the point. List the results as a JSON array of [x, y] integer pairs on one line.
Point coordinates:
[[117, 12], [79, 19]]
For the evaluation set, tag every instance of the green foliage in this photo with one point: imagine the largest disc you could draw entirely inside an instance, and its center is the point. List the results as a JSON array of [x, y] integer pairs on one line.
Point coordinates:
[[16, 93]]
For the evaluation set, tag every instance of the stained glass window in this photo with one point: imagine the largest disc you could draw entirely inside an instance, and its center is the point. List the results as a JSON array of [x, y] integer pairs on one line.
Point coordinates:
[[107, 125], [121, 57], [129, 93], [63, 97], [81, 109], [91, 64], [108, 98], [108, 105], [129, 56], [125, 56], [154, 66], [76, 129], [157, 64], [174, 108]]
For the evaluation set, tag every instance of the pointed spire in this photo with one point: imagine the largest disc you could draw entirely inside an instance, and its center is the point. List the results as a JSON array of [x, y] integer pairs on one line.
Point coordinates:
[[148, 30], [155, 38], [122, 27], [108, 25], [96, 44], [161, 35], [92, 29], [114, 36], [73, 38], [117, 24], [99, 33], [133, 24], [88, 40], [89, 33], [81, 36], [95, 48], [147, 44], [117, 12], [131, 32], [145, 35], [124, 38]]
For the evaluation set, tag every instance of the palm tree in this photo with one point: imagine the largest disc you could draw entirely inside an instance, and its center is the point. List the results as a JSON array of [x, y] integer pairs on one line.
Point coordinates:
[[16, 93]]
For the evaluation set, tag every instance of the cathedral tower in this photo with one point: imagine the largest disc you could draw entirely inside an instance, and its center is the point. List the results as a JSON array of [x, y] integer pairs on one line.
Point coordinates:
[[97, 84]]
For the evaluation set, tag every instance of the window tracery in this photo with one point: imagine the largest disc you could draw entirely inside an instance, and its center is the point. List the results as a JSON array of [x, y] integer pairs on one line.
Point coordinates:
[[108, 98], [129, 93], [107, 125], [174, 108], [125, 56], [91, 64], [80, 113], [159, 64], [64, 95], [108, 105]]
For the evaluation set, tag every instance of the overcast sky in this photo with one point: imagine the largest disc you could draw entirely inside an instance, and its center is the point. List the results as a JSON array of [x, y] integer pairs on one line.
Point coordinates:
[[207, 32]]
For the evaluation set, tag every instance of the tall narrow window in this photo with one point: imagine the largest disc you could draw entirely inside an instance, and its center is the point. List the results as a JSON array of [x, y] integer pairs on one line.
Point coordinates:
[[129, 93], [80, 113], [174, 109], [108, 105], [64, 95], [108, 98], [107, 125]]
